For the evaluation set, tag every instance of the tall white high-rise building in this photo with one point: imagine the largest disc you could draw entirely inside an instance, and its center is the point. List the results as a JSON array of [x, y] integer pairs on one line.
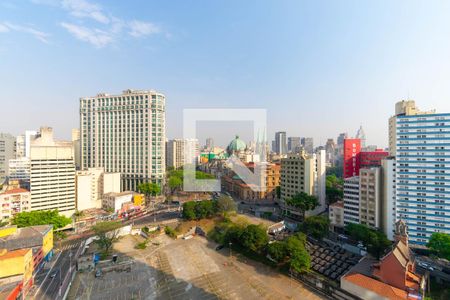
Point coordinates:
[[422, 152], [7, 152], [52, 174], [76, 147], [125, 133], [23, 143], [388, 209], [181, 152]]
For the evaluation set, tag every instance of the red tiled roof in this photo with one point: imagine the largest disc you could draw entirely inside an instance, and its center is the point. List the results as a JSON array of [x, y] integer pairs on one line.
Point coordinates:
[[16, 191], [378, 287], [15, 253]]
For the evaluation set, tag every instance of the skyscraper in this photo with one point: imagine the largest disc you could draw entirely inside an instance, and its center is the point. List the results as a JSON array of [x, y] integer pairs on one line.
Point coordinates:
[[280, 142], [209, 143], [308, 144], [422, 174], [52, 174], [294, 144], [7, 152], [360, 134], [125, 133]]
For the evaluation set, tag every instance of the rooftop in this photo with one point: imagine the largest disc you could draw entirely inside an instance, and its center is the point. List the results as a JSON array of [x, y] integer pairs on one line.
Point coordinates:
[[382, 289], [26, 237], [15, 191], [14, 253]]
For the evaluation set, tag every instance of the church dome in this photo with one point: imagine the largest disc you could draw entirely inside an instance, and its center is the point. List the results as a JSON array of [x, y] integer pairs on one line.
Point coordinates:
[[236, 145]]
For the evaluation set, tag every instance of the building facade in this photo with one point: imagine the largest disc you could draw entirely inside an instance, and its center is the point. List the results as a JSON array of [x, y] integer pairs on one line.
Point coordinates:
[[388, 203], [336, 215], [301, 172], [370, 159], [351, 200], [52, 174], [181, 152], [7, 152], [13, 202], [126, 134], [370, 197], [423, 176], [92, 184], [280, 142], [352, 157], [294, 144], [308, 144], [19, 169]]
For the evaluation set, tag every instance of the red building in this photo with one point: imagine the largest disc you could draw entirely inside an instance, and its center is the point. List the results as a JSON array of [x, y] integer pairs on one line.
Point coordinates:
[[352, 157], [372, 158]]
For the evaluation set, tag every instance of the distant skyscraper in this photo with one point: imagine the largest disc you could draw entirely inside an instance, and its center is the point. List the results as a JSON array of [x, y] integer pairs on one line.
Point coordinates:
[[308, 144], [294, 144], [181, 152], [7, 152], [352, 157], [341, 138], [362, 136], [23, 143], [330, 149], [209, 144], [125, 133], [280, 142], [52, 174]]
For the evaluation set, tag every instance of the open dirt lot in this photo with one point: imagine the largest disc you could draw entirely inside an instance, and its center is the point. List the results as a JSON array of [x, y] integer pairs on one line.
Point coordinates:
[[186, 269]]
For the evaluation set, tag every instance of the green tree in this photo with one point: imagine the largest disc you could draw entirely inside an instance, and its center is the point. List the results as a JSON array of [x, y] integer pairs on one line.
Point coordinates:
[[375, 241], [225, 204], [149, 188], [254, 237], [107, 234], [204, 209], [278, 192], [175, 182], [44, 217], [316, 226], [189, 210], [278, 251], [439, 243], [303, 202], [300, 260]]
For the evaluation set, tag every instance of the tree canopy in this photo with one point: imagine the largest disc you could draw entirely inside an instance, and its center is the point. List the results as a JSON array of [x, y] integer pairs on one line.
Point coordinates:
[[196, 210], [254, 237], [149, 188], [439, 243], [225, 204], [334, 188], [41, 217], [375, 241], [303, 202], [300, 260], [107, 235], [316, 226], [278, 251]]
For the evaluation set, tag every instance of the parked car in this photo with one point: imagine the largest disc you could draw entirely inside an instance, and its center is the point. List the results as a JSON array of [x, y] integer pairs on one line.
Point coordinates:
[[219, 247], [98, 273], [53, 275]]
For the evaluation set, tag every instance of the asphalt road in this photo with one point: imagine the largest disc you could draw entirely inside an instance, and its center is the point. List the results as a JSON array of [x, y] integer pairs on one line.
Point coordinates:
[[50, 286]]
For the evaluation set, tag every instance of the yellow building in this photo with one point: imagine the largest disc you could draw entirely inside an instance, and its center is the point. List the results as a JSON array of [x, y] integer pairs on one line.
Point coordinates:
[[16, 262], [138, 199]]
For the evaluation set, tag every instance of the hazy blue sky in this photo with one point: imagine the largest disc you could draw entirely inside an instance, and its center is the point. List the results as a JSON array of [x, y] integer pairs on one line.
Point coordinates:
[[318, 67]]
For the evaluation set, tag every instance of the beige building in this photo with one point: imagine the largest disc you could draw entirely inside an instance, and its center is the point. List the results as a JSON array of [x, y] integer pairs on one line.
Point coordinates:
[[52, 173], [370, 197], [76, 147], [181, 152], [125, 133], [301, 172], [12, 202], [92, 184], [336, 214], [406, 108]]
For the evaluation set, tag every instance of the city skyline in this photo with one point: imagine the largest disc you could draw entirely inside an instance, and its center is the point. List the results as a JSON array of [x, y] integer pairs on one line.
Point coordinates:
[[319, 70]]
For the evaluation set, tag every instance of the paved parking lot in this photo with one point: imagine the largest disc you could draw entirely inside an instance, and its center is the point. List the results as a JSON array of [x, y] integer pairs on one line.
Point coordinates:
[[186, 269]]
